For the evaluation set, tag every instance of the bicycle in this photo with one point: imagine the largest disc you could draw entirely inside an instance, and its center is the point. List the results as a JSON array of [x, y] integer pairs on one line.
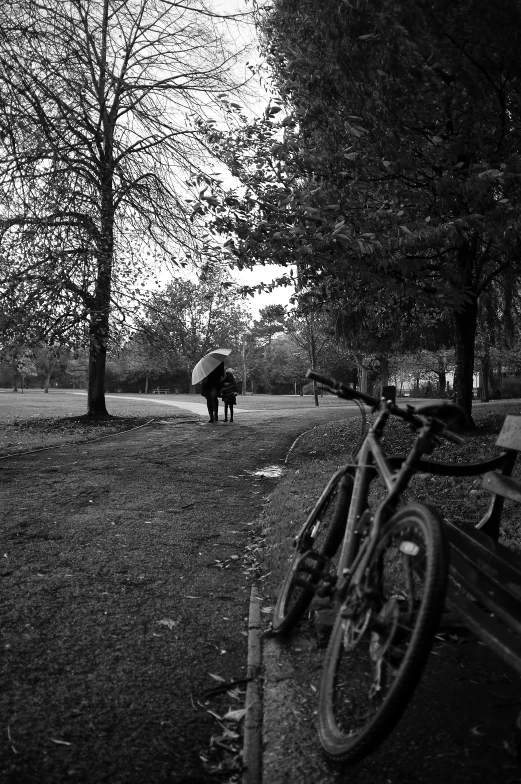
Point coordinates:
[[389, 586]]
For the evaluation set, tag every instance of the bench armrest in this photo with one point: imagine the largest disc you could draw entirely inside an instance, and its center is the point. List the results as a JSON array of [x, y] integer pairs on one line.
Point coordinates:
[[504, 486]]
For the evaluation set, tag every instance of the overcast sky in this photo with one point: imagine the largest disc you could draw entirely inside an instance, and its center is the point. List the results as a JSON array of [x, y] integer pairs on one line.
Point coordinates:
[[246, 35]]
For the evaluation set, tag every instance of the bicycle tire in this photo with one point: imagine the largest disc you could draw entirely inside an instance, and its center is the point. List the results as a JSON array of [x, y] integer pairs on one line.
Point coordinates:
[[378, 647], [323, 533]]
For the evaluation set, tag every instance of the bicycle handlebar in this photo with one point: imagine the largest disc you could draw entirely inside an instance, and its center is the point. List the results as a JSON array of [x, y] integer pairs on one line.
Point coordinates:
[[342, 390], [347, 393]]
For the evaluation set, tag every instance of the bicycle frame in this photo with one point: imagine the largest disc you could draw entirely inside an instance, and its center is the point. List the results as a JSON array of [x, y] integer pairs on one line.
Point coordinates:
[[372, 461]]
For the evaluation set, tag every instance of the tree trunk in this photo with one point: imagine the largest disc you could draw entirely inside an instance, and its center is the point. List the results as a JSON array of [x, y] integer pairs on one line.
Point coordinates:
[[53, 361], [442, 377], [465, 322], [98, 333], [315, 392], [146, 384], [498, 381], [47, 380], [244, 369], [490, 379], [313, 358], [384, 372], [100, 308], [363, 379], [485, 377]]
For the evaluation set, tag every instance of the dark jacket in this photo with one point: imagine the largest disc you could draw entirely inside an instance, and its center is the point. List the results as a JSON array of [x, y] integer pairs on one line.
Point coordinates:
[[213, 382], [229, 389]]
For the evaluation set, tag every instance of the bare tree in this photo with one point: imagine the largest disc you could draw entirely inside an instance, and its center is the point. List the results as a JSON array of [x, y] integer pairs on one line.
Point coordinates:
[[310, 333], [96, 146]]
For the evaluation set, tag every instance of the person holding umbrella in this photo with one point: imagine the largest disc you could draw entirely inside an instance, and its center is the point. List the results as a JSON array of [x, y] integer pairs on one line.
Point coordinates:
[[210, 370], [210, 389]]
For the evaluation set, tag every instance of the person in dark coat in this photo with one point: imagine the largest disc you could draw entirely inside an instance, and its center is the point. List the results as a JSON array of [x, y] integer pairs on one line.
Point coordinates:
[[210, 389], [229, 394]]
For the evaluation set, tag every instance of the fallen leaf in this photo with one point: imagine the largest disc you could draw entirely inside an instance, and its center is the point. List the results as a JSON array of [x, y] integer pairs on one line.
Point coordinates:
[[235, 715], [476, 731], [216, 677], [227, 735], [168, 622], [60, 742]]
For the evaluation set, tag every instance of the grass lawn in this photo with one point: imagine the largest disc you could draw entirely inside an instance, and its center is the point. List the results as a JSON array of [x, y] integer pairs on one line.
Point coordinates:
[[35, 420], [34, 403]]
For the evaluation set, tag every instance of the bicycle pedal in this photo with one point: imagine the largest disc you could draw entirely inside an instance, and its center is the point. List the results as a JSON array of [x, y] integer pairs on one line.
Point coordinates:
[[327, 587]]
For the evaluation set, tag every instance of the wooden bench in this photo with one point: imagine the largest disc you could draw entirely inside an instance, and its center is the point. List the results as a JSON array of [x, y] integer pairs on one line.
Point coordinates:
[[484, 586], [158, 391]]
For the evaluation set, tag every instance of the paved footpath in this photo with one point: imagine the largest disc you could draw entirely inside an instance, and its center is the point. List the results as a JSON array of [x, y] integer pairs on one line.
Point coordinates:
[[276, 406]]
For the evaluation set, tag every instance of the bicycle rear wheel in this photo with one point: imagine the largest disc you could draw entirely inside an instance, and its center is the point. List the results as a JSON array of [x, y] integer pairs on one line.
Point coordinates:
[[321, 535], [382, 635]]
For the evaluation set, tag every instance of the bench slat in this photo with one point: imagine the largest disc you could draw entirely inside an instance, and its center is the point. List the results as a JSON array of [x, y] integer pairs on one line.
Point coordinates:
[[461, 469], [510, 435], [487, 629], [504, 486], [491, 594], [489, 571], [487, 551]]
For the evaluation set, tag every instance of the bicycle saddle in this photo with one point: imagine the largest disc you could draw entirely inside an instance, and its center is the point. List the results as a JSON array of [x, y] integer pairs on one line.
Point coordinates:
[[446, 411]]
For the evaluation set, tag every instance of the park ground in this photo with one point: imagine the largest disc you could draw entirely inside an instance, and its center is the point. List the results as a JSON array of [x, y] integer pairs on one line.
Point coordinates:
[[128, 552], [126, 579]]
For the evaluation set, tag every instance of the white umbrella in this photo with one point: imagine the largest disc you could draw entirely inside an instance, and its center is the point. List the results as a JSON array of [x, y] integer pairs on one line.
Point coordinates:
[[208, 363]]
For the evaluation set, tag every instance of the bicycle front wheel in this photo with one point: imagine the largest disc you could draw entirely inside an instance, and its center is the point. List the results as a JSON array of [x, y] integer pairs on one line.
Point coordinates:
[[321, 535], [382, 635]]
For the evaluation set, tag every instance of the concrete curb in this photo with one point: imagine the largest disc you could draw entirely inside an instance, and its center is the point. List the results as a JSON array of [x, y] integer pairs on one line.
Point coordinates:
[[252, 742]]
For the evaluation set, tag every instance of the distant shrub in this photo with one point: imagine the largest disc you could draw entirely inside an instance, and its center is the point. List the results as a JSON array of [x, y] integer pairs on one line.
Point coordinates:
[[511, 387]]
